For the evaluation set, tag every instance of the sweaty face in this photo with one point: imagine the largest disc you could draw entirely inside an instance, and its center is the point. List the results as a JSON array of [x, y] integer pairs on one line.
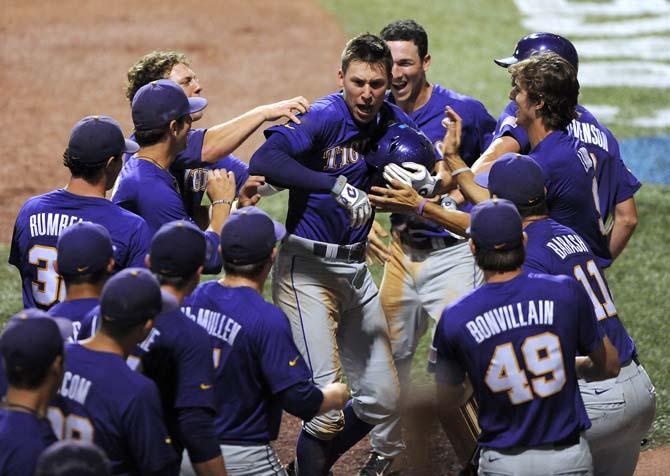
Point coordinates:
[[364, 86], [186, 78], [409, 72], [525, 113]]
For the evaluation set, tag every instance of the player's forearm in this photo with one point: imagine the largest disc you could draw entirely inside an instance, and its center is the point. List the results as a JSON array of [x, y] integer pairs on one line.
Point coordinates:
[[303, 400], [273, 162], [625, 222], [601, 364], [498, 147], [213, 467], [198, 435], [465, 179], [213, 261], [453, 220], [224, 138]]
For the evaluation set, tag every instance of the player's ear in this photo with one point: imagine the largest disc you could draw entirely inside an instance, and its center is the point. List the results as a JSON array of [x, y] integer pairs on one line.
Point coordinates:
[[426, 62], [473, 248], [275, 252], [525, 239], [340, 78], [147, 261], [57, 368], [173, 127], [110, 265]]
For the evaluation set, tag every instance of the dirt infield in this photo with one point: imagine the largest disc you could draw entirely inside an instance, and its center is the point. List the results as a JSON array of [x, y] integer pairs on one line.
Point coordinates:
[[64, 60]]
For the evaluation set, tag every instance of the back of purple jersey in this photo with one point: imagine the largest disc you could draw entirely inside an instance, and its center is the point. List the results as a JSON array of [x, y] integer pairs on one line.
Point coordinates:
[[23, 437], [101, 400], [569, 177], [177, 356], [556, 249], [75, 310], [477, 130], [254, 359], [615, 182], [517, 341], [40, 221], [329, 141]]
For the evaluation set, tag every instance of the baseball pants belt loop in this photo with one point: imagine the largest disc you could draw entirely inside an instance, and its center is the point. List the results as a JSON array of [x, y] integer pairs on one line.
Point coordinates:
[[351, 253]]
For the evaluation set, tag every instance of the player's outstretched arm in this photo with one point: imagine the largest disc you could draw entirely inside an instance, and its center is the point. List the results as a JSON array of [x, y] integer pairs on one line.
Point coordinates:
[[601, 364], [625, 222], [223, 139], [221, 191], [402, 198], [335, 397], [459, 171], [496, 148]]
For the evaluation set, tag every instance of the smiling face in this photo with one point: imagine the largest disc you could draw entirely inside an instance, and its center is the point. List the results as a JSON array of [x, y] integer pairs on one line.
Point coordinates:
[[188, 81], [526, 109], [364, 86], [409, 70]]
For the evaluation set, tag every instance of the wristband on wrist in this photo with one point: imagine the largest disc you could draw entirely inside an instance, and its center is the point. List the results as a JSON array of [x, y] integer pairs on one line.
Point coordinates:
[[422, 205], [222, 202], [460, 171]]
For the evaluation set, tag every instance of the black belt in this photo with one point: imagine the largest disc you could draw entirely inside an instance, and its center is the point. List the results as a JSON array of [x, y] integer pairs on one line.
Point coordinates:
[[428, 243], [352, 253]]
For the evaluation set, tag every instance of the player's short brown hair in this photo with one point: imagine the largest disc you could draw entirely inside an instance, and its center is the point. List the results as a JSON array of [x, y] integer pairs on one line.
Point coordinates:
[[248, 271], [154, 136], [540, 208], [407, 30], [91, 173], [151, 67], [500, 261], [548, 77], [367, 48]]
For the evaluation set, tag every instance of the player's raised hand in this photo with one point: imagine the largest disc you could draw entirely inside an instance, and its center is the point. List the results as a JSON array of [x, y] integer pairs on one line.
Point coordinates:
[[353, 200], [400, 198], [289, 108], [415, 175], [452, 139], [249, 195], [377, 251], [220, 185]]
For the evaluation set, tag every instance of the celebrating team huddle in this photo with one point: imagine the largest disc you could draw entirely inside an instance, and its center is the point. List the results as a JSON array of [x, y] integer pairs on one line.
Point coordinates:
[[501, 234]]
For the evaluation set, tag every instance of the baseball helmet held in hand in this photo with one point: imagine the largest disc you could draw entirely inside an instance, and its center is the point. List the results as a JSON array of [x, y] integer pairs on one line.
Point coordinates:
[[540, 43], [400, 143]]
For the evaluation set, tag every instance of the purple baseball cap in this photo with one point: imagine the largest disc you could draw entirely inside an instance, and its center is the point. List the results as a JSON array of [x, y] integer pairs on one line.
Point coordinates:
[[249, 235], [32, 339], [178, 249], [496, 225], [73, 458], [95, 139], [83, 248], [517, 178], [133, 296], [159, 102]]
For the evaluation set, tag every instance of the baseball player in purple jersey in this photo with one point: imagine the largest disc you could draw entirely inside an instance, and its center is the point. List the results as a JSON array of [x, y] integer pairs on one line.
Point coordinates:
[[208, 148], [428, 267], [93, 156], [320, 279], [258, 368], [616, 184], [517, 338], [85, 261], [32, 353], [101, 399], [162, 118], [621, 410], [177, 354]]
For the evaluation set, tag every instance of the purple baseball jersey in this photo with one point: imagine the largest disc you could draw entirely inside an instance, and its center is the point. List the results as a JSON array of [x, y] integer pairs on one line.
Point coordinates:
[[23, 437], [75, 310], [569, 177], [616, 182], [477, 131], [329, 141], [556, 249], [254, 359], [191, 158], [102, 400], [153, 193], [177, 356], [40, 221], [517, 341]]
